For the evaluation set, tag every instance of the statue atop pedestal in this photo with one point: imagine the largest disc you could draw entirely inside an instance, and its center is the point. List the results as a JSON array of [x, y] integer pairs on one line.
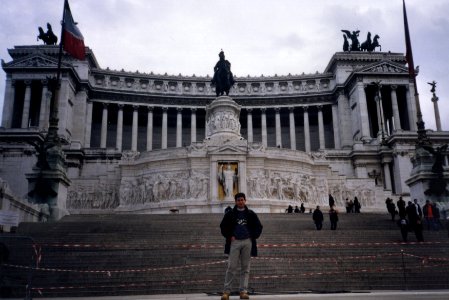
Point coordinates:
[[223, 79]]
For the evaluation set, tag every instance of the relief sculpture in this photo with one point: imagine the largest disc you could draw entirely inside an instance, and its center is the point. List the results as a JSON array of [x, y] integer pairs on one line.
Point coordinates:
[[93, 196], [286, 186], [163, 187]]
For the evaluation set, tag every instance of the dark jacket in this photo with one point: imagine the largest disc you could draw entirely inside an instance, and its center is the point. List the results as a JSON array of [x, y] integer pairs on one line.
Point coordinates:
[[229, 222], [317, 216]]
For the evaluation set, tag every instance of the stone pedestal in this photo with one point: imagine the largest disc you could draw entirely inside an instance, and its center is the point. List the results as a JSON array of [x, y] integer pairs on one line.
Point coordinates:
[[222, 120], [48, 186], [424, 183]]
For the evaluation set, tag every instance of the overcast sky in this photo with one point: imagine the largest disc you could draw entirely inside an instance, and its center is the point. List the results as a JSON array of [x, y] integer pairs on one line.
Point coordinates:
[[258, 37]]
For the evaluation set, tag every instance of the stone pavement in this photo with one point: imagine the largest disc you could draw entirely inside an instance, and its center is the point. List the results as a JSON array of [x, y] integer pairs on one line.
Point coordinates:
[[371, 295]]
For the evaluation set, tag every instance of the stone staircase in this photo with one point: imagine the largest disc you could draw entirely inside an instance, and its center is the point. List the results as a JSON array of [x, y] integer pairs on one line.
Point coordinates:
[[94, 255]]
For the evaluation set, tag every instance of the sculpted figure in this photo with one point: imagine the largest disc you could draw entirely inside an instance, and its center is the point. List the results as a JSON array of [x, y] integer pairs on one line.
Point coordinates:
[[49, 38], [354, 38], [226, 178], [223, 78], [438, 155]]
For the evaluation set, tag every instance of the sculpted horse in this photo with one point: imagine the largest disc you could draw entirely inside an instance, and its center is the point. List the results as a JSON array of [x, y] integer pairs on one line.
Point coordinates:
[[223, 78], [366, 45], [49, 38], [369, 45], [375, 44]]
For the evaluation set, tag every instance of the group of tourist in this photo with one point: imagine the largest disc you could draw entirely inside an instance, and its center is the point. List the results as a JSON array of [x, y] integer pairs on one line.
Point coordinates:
[[411, 216], [353, 206], [296, 210], [318, 218]]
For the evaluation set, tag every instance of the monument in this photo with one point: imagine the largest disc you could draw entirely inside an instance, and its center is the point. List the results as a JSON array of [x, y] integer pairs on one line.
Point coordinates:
[[151, 143]]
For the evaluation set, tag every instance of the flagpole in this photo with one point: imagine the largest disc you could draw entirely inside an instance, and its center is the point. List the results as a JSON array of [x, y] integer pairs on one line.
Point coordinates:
[[55, 86], [422, 135]]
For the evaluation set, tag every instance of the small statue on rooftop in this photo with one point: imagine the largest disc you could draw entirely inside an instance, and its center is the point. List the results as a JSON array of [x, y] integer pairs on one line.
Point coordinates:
[[49, 38], [354, 38]]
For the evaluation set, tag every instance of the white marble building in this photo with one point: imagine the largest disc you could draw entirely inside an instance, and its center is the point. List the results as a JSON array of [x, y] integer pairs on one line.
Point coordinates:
[[146, 142]]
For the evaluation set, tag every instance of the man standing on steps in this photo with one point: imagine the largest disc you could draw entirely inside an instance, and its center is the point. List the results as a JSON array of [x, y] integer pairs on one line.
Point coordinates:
[[241, 227], [318, 218]]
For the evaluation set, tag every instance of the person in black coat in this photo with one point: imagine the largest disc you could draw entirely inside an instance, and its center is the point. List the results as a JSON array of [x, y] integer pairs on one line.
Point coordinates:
[[414, 221], [333, 217], [241, 227], [318, 218], [331, 201]]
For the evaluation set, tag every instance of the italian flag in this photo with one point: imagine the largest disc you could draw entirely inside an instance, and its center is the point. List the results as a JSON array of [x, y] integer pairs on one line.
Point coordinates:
[[73, 40]]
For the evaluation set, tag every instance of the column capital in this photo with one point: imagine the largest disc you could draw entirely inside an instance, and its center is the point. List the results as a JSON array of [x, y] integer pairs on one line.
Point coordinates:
[[27, 82], [193, 109], [277, 109], [13, 82], [135, 107], [150, 108], [263, 109], [305, 108], [179, 109], [105, 105], [249, 110], [44, 82], [393, 87], [291, 109], [320, 107], [120, 106], [164, 109]]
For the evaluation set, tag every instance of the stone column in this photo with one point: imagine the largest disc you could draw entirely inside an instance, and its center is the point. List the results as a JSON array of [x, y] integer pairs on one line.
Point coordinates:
[[213, 180], [179, 127], [306, 129], [395, 107], [337, 143], [278, 128], [43, 119], [437, 112], [118, 140], [344, 120], [321, 127], [88, 124], [292, 128], [250, 125], [264, 127], [26, 104], [150, 129], [410, 95], [164, 128], [193, 126], [135, 127], [364, 123], [387, 175], [104, 126], [8, 107]]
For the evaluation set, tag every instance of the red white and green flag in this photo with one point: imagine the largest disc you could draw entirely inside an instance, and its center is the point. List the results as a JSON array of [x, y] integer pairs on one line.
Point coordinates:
[[73, 40]]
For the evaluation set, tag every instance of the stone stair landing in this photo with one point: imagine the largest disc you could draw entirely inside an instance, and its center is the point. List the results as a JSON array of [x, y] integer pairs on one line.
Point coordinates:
[[93, 255]]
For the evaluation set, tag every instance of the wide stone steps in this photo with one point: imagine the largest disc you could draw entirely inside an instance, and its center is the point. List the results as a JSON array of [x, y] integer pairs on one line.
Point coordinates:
[[85, 255]]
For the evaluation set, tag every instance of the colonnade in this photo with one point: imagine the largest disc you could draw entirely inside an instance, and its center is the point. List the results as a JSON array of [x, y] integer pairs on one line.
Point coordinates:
[[25, 120], [193, 125]]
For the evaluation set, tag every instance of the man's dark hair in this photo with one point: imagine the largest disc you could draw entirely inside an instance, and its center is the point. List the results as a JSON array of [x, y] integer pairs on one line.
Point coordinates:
[[238, 195]]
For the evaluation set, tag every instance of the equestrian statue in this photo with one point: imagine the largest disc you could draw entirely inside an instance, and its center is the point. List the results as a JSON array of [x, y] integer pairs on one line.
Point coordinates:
[[370, 45], [48, 37], [223, 79]]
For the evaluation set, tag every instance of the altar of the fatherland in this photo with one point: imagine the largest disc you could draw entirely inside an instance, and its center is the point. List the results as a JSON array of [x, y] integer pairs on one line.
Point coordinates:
[[150, 143]]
